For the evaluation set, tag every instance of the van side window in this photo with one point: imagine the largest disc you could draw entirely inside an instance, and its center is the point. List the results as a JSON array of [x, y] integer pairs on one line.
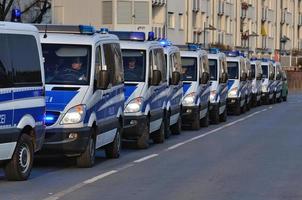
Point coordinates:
[[98, 62], [25, 60], [177, 62], [159, 59], [5, 68], [150, 66], [113, 60], [171, 66]]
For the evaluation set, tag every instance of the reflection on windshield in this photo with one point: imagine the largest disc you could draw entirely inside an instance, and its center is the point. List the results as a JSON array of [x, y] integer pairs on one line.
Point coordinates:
[[265, 71], [213, 69], [233, 70], [66, 64], [134, 65], [189, 69]]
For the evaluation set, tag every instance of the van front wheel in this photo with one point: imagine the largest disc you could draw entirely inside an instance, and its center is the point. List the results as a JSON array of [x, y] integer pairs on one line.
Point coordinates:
[[87, 159], [112, 150], [19, 167]]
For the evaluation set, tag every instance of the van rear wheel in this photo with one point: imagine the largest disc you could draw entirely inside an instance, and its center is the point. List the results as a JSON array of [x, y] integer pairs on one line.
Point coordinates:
[[237, 109], [214, 116], [19, 167], [223, 116], [87, 159]]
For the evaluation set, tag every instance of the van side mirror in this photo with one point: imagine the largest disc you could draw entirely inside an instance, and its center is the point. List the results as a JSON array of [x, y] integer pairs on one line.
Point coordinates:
[[103, 79], [224, 78], [175, 78], [205, 77], [271, 76], [278, 77], [156, 78], [259, 77], [244, 77]]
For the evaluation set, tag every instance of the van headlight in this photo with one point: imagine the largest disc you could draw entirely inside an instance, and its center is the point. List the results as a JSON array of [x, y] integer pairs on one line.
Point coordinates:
[[233, 92], [189, 100], [134, 105], [265, 88], [213, 95], [74, 115]]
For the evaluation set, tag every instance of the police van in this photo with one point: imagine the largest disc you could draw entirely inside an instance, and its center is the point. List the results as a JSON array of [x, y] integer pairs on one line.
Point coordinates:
[[196, 87], [84, 92], [256, 73], [146, 88], [278, 82], [268, 87], [175, 91], [237, 83], [22, 104], [219, 87], [249, 82]]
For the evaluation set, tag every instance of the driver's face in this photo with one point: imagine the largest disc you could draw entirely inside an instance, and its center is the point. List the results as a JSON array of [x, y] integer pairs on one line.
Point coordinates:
[[131, 64], [76, 65]]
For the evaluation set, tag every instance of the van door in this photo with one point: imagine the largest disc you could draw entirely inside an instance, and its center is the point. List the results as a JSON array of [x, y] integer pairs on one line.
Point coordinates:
[[6, 95]]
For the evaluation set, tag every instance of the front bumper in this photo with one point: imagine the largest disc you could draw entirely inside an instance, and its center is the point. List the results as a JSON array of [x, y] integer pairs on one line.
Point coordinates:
[[189, 113], [233, 102], [58, 141], [134, 127]]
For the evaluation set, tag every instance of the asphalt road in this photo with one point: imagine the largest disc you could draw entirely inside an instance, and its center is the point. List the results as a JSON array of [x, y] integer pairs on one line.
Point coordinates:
[[254, 156]]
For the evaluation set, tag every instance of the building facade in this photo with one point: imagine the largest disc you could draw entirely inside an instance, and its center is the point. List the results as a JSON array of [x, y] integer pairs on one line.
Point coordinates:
[[261, 26]]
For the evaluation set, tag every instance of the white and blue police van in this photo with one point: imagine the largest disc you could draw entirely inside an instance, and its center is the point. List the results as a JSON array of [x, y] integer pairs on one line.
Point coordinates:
[[175, 91], [84, 92], [278, 82], [219, 88], [237, 83], [256, 73], [196, 87], [22, 100], [249, 82], [268, 87], [146, 88]]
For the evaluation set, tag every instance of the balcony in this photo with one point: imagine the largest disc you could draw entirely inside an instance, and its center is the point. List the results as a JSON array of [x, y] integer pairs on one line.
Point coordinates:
[[270, 15], [287, 17], [159, 2], [228, 9], [251, 13], [229, 39], [158, 31]]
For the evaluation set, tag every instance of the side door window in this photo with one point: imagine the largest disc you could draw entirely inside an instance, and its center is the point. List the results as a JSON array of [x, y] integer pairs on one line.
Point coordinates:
[[5, 63], [98, 63], [177, 62], [26, 62], [171, 66], [159, 63]]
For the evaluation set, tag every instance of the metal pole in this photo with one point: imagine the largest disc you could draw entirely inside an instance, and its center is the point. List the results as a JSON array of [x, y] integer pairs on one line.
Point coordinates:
[[204, 35], [248, 47]]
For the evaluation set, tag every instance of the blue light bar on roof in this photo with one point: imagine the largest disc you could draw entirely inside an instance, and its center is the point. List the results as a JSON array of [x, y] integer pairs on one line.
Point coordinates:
[[16, 15], [84, 29], [233, 53], [193, 47], [151, 36], [104, 30], [128, 35], [253, 59], [165, 42], [214, 50]]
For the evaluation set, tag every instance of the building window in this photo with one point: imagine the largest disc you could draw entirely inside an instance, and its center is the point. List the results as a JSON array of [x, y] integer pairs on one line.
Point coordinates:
[[107, 12], [181, 21], [171, 20], [124, 12]]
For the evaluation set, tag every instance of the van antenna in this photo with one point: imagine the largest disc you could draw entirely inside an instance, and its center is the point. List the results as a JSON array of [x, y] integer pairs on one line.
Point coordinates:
[[45, 34]]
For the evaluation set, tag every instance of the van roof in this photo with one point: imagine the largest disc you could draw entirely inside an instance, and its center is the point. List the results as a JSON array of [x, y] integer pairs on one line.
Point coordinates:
[[171, 49], [139, 45], [17, 27], [234, 59], [216, 56], [61, 38], [193, 53]]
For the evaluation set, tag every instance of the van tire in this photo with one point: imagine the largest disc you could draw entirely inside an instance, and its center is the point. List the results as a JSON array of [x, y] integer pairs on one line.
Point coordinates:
[[16, 169], [87, 158], [112, 150], [204, 122], [237, 109], [214, 116], [143, 141], [176, 128], [159, 135], [167, 125], [284, 98], [196, 121], [223, 117]]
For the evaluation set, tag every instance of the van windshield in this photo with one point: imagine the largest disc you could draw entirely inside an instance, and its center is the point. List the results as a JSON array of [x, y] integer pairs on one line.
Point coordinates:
[[253, 70], [233, 70], [213, 69], [67, 64], [134, 65], [264, 71], [189, 68]]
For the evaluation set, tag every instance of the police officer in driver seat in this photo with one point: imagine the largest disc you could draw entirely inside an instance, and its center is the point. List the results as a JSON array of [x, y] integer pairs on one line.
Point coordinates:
[[76, 71]]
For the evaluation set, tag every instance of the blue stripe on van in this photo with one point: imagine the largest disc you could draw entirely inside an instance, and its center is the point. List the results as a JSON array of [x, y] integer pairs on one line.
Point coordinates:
[[6, 97], [230, 83], [28, 94], [129, 89], [186, 86], [57, 100]]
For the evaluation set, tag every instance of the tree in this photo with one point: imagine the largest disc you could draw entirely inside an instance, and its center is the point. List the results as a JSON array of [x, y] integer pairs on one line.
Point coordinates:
[[33, 11]]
